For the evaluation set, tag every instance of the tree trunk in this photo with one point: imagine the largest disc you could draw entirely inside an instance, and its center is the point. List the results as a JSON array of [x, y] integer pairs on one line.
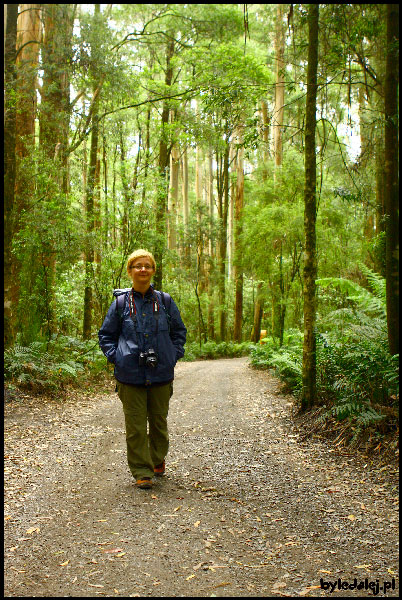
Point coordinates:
[[223, 206], [186, 209], [90, 212], [211, 250], [258, 311], [10, 80], [279, 86], [199, 198], [173, 197], [126, 191], [28, 44], [391, 177], [238, 263], [310, 255], [265, 138], [161, 197]]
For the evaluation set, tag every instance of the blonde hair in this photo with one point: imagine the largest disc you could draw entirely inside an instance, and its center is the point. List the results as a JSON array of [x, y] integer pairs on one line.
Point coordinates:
[[140, 254]]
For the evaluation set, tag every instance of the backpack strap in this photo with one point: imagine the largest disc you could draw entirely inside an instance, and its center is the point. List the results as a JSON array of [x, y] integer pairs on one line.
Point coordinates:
[[120, 296], [166, 301]]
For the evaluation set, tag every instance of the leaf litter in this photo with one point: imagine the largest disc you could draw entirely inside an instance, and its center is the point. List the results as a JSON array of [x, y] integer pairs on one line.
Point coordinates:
[[275, 512]]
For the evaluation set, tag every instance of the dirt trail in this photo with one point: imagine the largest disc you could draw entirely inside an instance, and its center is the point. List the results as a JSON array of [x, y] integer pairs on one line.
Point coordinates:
[[245, 508]]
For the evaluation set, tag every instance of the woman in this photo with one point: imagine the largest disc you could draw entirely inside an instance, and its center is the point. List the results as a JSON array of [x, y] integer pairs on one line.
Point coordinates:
[[144, 336]]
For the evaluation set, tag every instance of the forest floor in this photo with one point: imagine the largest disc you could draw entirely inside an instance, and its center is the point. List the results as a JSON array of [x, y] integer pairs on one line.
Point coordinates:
[[248, 507]]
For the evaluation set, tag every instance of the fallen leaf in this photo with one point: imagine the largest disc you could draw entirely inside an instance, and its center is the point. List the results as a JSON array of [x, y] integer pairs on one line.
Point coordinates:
[[324, 571], [190, 577], [177, 508], [308, 589], [222, 584], [96, 585], [32, 529], [113, 550], [102, 521], [362, 566], [197, 523], [351, 517], [64, 564], [279, 584]]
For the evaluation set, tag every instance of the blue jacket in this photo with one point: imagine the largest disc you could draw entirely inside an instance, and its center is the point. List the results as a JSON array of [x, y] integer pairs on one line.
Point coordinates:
[[121, 342]]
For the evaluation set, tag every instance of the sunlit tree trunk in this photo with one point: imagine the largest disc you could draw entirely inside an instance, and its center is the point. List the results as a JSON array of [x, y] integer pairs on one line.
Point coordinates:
[[173, 196], [185, 203], [163, 166], [238, 262], [232, 200], [279, 86], [199, 196], [126, 191], [223, 207], [28, 45], [391, 177], [211, 251], [310, 254], [265, 137]]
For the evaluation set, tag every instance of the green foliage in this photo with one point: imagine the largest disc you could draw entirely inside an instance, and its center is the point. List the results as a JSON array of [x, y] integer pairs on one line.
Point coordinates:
[[285, 361], [354, 368], [212, 350], [355, 372], [49, 366]]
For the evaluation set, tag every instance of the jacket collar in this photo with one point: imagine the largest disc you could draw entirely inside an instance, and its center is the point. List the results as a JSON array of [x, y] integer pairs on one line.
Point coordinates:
[[148, 294]]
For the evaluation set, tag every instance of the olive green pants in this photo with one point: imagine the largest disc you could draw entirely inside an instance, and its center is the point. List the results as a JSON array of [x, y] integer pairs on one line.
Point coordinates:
[[142, 406]]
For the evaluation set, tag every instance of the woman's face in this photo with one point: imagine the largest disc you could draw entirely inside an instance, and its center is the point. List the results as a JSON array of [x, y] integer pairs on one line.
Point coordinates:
[[142, 271]]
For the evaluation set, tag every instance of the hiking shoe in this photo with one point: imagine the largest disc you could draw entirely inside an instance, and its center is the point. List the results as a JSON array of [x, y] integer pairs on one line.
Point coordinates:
[[144, 483], [159, 469]]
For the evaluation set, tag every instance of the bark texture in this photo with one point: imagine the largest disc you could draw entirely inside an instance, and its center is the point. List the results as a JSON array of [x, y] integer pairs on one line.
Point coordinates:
[[310, 255]]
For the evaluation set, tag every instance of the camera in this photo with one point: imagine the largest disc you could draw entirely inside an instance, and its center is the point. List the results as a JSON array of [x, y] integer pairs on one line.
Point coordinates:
[[148, 359]]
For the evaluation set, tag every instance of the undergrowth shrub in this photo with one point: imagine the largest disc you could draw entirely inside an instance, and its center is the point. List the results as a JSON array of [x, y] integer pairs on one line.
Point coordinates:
[[48, 366], [284, 361], [210, 350], [356, 375]]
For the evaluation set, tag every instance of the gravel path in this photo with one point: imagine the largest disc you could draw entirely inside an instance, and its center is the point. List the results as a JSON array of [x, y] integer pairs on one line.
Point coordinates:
[[245, 508]]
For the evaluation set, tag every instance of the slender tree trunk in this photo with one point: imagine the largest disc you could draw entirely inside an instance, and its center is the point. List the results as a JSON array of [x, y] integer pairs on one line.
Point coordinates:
[[126, 192], [186, 209], [265, 137], [238, 263], [310, 254], [258, 311], [173, 197], [161, 201], [223, 207], [211, 251], [391, 177], [90, 211], [379, 259], [199, 197], [9, 167], [280, 86]]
